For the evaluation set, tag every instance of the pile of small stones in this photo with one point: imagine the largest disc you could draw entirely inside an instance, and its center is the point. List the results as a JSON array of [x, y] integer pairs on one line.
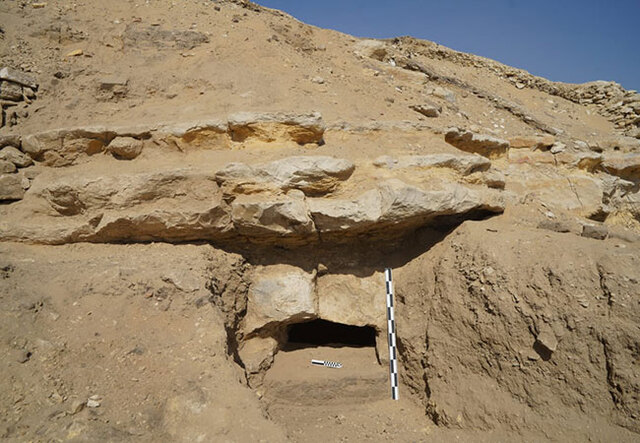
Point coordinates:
[[17, 90]]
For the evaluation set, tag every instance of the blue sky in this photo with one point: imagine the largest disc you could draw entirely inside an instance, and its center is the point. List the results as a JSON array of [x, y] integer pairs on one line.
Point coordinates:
[[563, 40]]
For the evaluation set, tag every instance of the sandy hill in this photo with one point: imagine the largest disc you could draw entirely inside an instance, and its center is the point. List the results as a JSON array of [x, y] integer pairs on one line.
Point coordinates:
[[198, 198]]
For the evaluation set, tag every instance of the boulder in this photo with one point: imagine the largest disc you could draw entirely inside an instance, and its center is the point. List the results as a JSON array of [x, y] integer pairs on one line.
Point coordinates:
[[485, 145], [626, 166], [13, 155], [19, 77], [10, 140], [279, 294], [598, 232], [427, 109], [532, 142], [7, 167], [125, 148], [277, 127], [464, 164], [491, 178], [10, 91], [11, 187]]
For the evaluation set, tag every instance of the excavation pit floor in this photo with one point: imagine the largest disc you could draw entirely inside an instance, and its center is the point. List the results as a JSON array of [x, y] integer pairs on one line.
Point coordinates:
[[298, 395]]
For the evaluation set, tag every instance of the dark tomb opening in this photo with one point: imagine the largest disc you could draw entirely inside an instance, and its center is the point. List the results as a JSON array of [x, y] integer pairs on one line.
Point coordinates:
[[326, 333]]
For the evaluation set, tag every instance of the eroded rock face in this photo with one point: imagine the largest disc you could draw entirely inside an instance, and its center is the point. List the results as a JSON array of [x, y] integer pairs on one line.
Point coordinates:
[[279, 294], [264, 204], [482, 144], [270, 127]]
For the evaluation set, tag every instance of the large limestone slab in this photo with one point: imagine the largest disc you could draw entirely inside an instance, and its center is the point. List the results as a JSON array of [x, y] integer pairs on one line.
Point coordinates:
[[269, 216], [178, 221], [352, 300], [280, 294], [314, 175], [486, 145], [397, 205], [463, 164], [72, 195]]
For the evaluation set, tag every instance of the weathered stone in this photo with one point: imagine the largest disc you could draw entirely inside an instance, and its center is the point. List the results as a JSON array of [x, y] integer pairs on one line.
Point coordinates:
[[10, 140], [576, 193], [598, 232], [277, 127], [519, 156], [10, 91], [395, 204], [555, 226], [464, 164], [180, 221], [13, 155], [256, 354], [589, 161], [532, 141], [626, 166], [557, 148], [61, 147], [28, 92], [279, 294], [485, 145], [270, 216], [6, 167], [547, 339], [491, 178], [15, 76], [76, 406], [74, 195], [443, 93], [428, 110], [125, 148], [11, 187], [352, 300], [110, 82], [313, 175]]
